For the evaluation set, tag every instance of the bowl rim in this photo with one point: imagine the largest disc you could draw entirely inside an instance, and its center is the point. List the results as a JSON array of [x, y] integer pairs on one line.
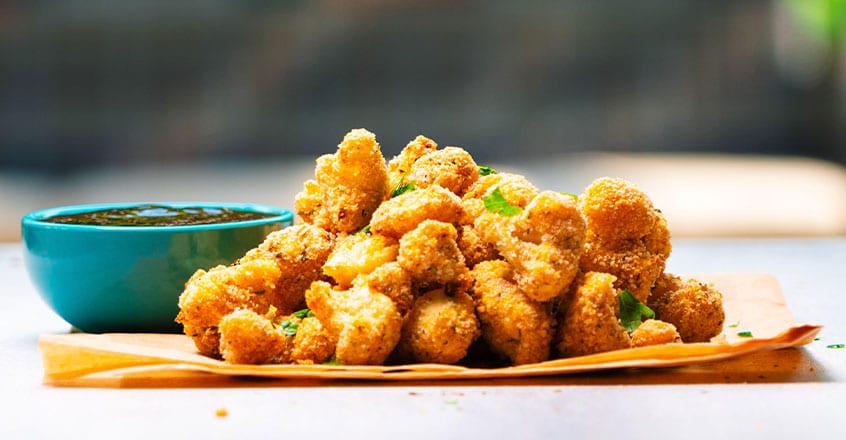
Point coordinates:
[[35, 219]]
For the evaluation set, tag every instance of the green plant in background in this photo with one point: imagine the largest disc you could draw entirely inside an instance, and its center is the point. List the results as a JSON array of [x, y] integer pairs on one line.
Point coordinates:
[[824, 19]]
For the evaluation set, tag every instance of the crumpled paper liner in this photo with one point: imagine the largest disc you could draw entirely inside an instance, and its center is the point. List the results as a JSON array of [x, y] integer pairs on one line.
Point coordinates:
[[753, 303]]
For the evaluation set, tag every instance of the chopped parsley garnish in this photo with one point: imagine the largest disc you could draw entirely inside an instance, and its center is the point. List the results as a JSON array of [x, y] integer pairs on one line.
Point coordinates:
[[364, 230], [497, 204], [734, 325], [484, 170], [402, 188], [333, 361], [304, 313], [836, 346], [288, 327], [632, 311], [746, 334], [575, 197]]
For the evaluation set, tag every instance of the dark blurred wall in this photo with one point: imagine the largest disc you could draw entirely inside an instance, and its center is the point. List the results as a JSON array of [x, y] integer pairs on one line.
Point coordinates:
[[91, 83]]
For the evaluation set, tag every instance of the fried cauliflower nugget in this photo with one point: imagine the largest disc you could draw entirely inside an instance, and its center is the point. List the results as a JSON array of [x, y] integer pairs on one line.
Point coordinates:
[[513, 325], [313, 342], [452, 168], [589, 318], [404, 212], [365, 325], [695, 308], [515, 189], [300, 252], [440, 327], [474, 248], [655, 332], [349, 185], [430, 253], [357, 254], [542, 243], [400, 165], [391, 280], [249, 338], [626, 236], [209, 296]]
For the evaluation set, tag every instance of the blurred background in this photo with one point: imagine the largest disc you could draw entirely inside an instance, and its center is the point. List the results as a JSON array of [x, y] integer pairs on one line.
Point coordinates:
[[226, 99]]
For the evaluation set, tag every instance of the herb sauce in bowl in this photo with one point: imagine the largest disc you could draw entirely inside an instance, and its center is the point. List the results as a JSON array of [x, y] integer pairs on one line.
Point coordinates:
[[158, 215]]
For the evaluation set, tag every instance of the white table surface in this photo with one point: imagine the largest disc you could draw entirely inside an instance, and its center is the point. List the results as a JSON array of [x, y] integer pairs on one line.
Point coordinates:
[[793, 393]]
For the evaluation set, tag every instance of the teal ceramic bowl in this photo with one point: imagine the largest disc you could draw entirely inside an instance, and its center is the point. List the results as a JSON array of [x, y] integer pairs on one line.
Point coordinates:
[[129, 278]]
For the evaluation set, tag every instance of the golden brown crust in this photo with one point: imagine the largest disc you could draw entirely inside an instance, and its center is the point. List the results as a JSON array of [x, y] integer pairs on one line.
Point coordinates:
[[588, 318], [300, 252], [541, 243], [452, 168], [249, 338], [401, 214], [209, 296], [365, 325], [430, 253], [626, 236], [696, 309], [359, 254], [440, 328], [655, 332], [401, 164], [513, 325], [348, 185]]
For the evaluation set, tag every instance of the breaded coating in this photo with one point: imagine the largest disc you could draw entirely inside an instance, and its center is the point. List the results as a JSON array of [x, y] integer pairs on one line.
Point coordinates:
[[452, 168], [474, 249], [300, 252], [655, 332], [617, 211], [313, 342], [626, 236], [430, 253], [404, 212], [359, 254], [391, 280], [542, 243], [209, 296], [513, 325], [249, 338], [589, 318], [400, 165], [696, 309], [348, 185], [365, 325], [515, 188], [440, 327]]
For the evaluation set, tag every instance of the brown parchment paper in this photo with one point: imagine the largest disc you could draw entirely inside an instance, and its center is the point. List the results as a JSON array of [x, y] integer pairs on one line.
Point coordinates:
[[753, 303]]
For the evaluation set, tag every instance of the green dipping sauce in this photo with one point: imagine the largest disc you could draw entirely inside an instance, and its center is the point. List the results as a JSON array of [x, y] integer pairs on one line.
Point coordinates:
[[158, 215]]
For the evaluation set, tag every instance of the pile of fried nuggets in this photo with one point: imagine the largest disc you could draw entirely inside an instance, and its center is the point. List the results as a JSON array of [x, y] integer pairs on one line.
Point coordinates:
[[419, 258]]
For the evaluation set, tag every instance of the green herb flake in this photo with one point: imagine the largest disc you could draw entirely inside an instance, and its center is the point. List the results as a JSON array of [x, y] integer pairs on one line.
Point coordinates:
[[632, 311], [497, 204], [288, 327], [485, 170], [734, 325], [836, 346], [364, 230], [575, 197], [304, 313], [402, 188], [333, 361], [746, 334], [817, 339]]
